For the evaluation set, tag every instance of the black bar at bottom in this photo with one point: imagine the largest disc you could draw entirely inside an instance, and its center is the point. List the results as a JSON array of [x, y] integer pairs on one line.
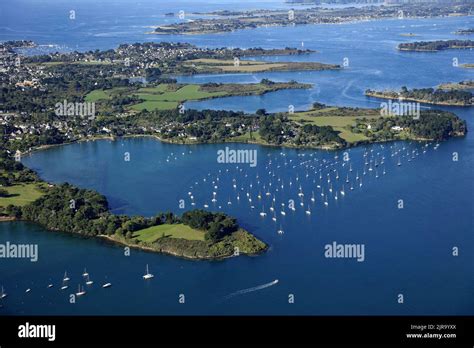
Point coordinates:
[[414, 331]]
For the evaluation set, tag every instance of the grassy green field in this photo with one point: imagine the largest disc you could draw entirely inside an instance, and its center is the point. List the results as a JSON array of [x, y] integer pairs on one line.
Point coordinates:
[[107, 94], [163, 99], [227, 65], [169, 96], [210, 61], [96, 95], [246, 137], [339, 123], [246, 66], [21, 195], [151, 234]]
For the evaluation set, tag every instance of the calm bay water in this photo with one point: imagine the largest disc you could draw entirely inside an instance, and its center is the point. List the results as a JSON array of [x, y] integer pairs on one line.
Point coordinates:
[[407, 251]]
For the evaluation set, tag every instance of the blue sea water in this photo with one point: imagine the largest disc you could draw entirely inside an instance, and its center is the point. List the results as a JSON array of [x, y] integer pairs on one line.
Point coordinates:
[[407, 251]]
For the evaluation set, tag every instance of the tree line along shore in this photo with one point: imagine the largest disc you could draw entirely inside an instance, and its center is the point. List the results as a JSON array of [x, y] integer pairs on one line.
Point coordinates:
[[452, 94]]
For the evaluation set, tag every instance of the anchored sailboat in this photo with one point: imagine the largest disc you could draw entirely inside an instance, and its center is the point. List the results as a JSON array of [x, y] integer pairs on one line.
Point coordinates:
[[280, 231], [80, 291], [88, 280], [3, 294], [147, 275]]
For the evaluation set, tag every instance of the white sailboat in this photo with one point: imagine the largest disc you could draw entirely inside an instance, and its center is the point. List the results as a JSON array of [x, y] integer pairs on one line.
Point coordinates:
[[300, 194], [80, 291], [280, 231], [147, 275], [107, 285], [274, 217], [88, 280], [3, 294], [85, 274], [65, 280]]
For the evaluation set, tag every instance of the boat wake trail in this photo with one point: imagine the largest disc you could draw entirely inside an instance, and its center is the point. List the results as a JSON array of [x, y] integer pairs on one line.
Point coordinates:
[[255, 288]]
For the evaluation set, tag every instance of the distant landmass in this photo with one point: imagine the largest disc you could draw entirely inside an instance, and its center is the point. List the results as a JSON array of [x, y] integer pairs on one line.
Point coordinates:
[[433, 46], [322, 2]]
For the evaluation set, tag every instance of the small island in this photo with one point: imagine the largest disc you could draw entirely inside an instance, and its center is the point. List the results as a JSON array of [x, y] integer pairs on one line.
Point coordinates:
[[469, 31], [468, 84], [435, 46], [452, 96]]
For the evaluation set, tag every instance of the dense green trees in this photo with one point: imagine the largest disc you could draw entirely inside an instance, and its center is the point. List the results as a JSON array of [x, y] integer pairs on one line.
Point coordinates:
[[435, 45], [427, 95], [432, 124], [437, 95], [278, 129], [216, 225]]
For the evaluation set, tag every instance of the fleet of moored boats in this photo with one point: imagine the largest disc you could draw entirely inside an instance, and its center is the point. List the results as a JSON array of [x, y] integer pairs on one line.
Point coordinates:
[[324, 176], [81, 289], [311, 177]]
